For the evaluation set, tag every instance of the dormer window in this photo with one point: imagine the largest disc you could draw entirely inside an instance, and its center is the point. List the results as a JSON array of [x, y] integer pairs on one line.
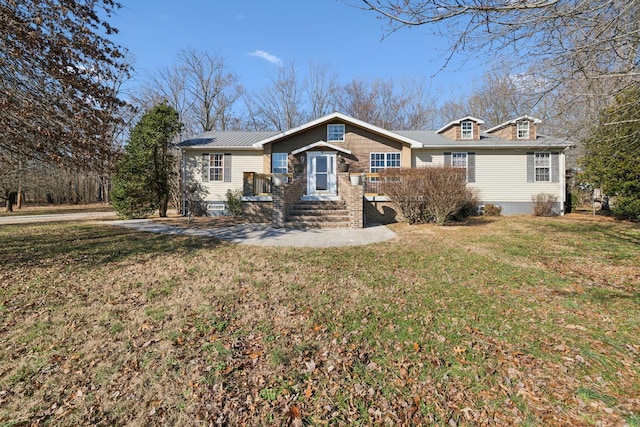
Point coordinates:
[[335, 133], [467, 130], [523, 129]]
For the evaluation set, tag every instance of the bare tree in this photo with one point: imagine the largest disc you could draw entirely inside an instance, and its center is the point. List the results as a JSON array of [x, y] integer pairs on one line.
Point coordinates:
[[586, 40], [321, 88], [57, 66], [387, 105], [200, 86], [280, 105]]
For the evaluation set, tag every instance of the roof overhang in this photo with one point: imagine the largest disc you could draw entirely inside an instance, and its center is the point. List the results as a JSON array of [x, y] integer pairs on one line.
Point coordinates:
[[346, 119], [321, 144], [218, 148], [514, 121], [457, 122]]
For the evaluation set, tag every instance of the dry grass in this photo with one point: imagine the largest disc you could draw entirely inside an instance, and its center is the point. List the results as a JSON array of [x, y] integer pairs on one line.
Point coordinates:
[[500, 321]]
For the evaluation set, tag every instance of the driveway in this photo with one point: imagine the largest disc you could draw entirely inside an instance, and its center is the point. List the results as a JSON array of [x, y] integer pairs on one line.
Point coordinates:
[[245, 234], [79, 216], [266, 235]]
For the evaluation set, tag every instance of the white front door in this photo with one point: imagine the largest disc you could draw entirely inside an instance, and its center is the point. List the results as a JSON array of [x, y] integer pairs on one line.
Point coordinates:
[[321, 173]]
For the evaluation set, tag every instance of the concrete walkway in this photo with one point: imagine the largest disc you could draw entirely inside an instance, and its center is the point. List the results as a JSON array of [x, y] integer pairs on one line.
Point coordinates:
[[265, 235], [79, 216]]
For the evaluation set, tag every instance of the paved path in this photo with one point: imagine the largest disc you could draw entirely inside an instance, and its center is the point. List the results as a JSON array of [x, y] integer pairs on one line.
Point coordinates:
[[265, 235], [79, 216], [246, 234]]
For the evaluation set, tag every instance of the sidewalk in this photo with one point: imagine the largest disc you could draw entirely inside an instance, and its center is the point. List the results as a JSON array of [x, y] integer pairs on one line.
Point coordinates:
[[266, 235]]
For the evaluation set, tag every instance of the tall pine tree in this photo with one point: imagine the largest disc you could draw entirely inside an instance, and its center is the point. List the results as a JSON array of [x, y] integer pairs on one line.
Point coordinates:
[[612, 159], [142, 182]]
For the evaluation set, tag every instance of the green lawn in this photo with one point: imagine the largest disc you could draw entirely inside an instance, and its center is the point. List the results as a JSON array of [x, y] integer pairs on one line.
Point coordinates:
[[501, 321]]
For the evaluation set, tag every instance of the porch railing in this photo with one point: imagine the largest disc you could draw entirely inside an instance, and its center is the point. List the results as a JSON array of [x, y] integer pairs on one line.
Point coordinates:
[[261, 184], [372, 184]]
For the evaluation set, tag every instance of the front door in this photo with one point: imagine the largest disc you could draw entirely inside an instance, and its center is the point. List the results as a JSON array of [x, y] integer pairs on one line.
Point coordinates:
[[321, 173]]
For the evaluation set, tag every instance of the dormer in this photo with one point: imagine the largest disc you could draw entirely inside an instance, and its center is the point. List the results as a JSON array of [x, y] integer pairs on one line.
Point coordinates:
[[465, 129], [521, 129]]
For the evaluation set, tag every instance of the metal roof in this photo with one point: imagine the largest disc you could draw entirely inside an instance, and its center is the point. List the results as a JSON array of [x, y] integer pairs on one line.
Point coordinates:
[[248, 140], [431, 139], [227, 139]]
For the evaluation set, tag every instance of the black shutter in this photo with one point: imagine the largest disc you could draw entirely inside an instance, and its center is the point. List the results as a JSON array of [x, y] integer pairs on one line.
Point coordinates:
[[471, 167], [555, 167], [227, 167], [530, 168], [206, 161]]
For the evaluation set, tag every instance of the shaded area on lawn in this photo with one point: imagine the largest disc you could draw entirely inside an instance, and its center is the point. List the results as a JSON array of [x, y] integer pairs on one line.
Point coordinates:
[[87, 244]]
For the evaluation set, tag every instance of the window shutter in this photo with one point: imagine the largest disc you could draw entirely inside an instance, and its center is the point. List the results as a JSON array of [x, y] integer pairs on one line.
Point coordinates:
[[205, 167], [227, 168], [471, 167], [555, 167], [530, 171], [447, 159]]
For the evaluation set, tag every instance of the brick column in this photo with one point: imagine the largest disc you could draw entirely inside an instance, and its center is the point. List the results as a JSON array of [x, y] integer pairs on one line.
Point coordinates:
[[279, 208], [353, 196]]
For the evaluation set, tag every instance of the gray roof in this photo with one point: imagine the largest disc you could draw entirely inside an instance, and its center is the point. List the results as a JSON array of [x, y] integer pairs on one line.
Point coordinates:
[[431, 139], [428, 139], [226, 139]]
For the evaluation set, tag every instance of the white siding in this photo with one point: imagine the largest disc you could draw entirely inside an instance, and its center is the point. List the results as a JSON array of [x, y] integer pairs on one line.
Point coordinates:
[[501, 175], [241, 161]]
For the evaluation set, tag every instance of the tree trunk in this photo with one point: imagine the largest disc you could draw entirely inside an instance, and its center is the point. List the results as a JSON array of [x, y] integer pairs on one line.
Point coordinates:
[[164, 203]]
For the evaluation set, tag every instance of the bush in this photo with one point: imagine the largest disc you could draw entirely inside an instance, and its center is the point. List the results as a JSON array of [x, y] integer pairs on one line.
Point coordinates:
[[543, 204], [428, 194], [492, 210], [627, 208], [196, 204], [234, 202]]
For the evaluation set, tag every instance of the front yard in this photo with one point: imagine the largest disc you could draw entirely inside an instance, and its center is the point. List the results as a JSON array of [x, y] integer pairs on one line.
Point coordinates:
[[503, 321]]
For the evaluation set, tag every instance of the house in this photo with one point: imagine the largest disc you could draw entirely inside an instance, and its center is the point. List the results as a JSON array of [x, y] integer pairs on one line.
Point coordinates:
[[294, 177]]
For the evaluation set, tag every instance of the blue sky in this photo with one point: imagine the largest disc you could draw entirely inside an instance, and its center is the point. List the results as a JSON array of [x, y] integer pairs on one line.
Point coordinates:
[[255, 36]]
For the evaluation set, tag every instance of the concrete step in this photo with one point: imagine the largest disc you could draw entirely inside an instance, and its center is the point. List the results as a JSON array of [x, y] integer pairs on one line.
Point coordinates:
[[317, 212], [303, 205], [318, 218], [306, 224]]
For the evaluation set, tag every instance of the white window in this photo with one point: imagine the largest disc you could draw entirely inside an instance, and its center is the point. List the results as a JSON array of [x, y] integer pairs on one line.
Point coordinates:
[[542, 166], [523, 129], [380, 161], [467, 130], [459, 160], [216, 167], [335, 133], [279, 163]]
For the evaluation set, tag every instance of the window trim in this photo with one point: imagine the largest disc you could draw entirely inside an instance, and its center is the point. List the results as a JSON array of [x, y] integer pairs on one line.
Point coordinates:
[[466, 162], [527, 131], [220, 162], [213, 167], [286, 163], [536, 166], [389, 160], [462, 130], [331, 135]]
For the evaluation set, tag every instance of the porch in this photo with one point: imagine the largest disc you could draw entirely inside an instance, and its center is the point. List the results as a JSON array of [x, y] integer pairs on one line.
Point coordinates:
[[256, 184], [283, 199]]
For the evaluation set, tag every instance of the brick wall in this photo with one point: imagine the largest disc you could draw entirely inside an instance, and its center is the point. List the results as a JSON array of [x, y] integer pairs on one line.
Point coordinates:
[[353, 196], [285, 197], [381, 212], [257, 211]]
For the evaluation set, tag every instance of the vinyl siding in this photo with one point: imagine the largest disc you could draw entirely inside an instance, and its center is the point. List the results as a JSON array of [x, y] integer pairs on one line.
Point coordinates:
[[241, 161], [501, 175]]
